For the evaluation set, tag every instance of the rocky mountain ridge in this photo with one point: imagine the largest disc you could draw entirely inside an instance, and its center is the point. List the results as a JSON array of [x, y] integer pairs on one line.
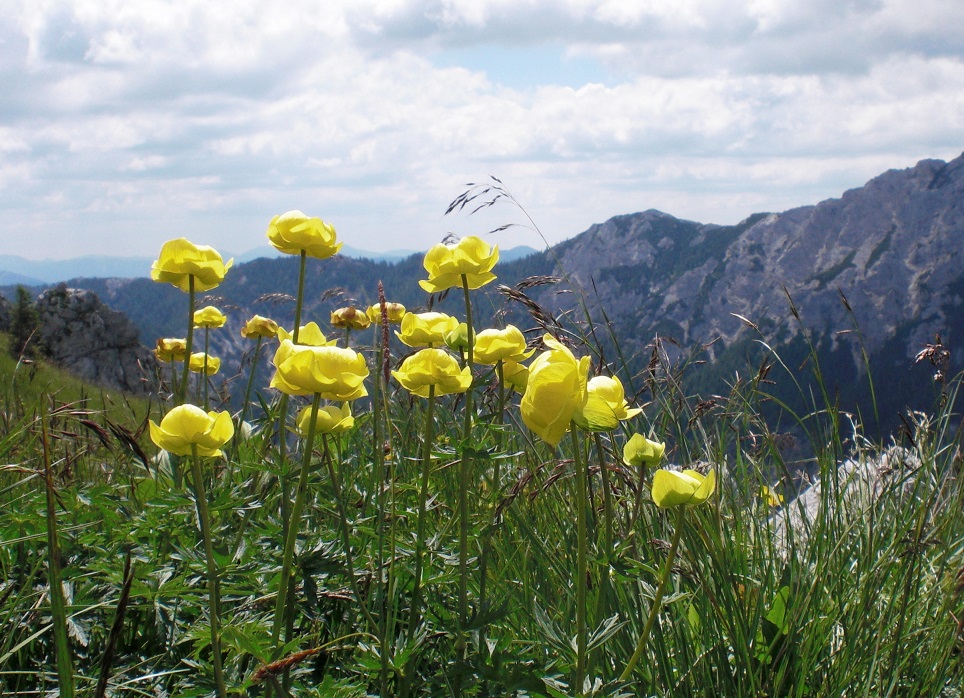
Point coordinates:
[[886, 259], [894, 249]]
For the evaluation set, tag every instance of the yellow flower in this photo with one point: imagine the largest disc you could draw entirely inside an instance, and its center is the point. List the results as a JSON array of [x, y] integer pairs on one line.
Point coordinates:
[[329, 420], [493, 346], [350, 318], [259, 327], [605, 406], [555, 390], [771, 496], [170, 349], [446, 264], [515, 375], [187, 425], [197, 363], [209, 316], [395, 312], [641, 451], [433, 367], [181, 259], [672, 488], [457, 339], [426, 329], [337, 374], [310, 335], [293, 232]]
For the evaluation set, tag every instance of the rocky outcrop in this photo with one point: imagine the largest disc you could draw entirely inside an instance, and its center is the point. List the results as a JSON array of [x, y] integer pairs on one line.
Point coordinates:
[[92, 341]]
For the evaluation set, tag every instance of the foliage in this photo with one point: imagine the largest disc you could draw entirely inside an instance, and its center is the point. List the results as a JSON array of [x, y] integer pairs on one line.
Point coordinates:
[[24, 322]]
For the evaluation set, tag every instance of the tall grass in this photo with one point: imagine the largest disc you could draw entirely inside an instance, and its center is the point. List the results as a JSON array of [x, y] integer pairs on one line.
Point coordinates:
[[861, 595]]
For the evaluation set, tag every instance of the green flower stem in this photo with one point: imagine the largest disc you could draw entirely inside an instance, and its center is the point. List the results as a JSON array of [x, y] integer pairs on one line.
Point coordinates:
[[345, 534], [464, 471], [288, 519], [299, 299], [58, 606], [175, 389], [204, 373], [582, 561], [244, 406], [496, 492], [609, 525], [657, 597], [608, 538], [422, 504], [214, 598], [282, 602], [382, 475], [188, 343]]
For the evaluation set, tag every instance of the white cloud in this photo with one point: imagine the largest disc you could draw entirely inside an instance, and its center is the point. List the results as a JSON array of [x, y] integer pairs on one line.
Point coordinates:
[[161, 117]]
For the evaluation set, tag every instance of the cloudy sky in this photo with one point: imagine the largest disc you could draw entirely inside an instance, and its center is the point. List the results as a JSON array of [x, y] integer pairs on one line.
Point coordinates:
[[127, 122]]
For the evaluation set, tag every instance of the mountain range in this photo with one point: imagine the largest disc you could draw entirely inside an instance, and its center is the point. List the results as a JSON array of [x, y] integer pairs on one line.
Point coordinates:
[[32, 272], [864, 281]]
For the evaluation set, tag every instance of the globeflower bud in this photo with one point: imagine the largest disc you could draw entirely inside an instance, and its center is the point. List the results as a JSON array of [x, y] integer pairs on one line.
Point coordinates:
[[209, 316], [395, 312], [330, 419], [350, 318], [641, 451], [203, 363], [672, 488], [457, 339], [259, 326], [170, 349]]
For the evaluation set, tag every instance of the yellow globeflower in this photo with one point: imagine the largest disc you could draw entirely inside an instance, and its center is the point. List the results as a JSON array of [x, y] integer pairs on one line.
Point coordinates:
[[330, 419], [181, 259], [605, 406], [458, 339], [395, 312], [672, 488], [426, 329], [259, 326], [170, 349], [433, 367], [293, 232], [493, 346], [337, 374], [187, 425], [446, 264], [310, 335], [555, 390], [641, 451], [198, 366], [209, 316], [350, 318], [515, 375]]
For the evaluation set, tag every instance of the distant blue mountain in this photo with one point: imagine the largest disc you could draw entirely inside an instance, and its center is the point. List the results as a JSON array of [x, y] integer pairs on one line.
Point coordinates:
[[29, 272]]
